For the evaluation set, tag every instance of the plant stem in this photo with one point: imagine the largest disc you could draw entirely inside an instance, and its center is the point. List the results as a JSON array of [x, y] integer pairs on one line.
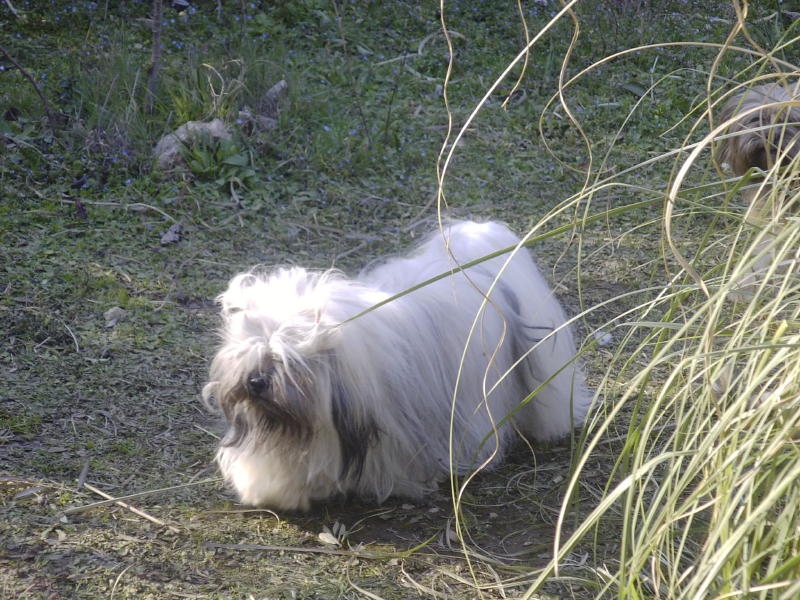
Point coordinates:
[[350, 75], [158, 11], [12, 9]]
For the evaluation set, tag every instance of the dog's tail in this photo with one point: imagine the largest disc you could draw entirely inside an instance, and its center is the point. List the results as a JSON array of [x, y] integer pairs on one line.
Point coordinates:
[[538, 330], [551, 365], [764, 129]]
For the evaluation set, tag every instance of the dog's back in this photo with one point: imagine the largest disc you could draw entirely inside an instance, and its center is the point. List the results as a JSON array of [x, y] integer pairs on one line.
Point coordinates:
[[537, 328]]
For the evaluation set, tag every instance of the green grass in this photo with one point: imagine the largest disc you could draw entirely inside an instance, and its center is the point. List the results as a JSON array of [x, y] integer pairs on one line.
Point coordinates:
[[677, 489]]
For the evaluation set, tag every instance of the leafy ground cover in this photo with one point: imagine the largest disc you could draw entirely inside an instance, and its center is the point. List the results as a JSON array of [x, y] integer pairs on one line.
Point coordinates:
[[95, 402]]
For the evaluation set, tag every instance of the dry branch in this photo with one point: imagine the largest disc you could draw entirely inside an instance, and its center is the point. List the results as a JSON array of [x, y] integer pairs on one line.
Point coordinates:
[[51, 116]]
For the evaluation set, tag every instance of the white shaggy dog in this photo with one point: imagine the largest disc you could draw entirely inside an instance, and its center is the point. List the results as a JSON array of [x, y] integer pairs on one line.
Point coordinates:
[[386, 403]]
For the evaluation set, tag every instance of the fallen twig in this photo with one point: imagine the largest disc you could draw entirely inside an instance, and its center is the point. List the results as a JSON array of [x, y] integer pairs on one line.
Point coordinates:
[[12, 9], [139, 206], [74, 339], [133, 509], [350, 251], [77, 509], [51, 117], [314, 550], [84, 474]]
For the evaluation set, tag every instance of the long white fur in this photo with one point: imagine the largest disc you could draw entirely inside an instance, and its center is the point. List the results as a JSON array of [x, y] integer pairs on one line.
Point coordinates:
[[392, 372]]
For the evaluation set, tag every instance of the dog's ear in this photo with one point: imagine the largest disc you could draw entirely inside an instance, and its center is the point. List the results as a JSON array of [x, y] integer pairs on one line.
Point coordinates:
[[356, 432], [209, 396]]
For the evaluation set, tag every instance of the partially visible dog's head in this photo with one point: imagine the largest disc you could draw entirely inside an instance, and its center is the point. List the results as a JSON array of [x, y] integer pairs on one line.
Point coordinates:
[[765, 128], [764, 133]]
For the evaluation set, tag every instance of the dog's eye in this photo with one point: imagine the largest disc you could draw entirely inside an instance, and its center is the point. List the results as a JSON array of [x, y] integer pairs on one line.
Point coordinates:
[[258, 386]]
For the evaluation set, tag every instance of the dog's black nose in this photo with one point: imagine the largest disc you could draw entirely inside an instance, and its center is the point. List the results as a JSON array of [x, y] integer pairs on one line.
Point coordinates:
[[258, 386]]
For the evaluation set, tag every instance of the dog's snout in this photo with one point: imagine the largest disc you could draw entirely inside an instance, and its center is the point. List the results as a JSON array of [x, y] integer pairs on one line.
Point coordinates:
[[258, 386]]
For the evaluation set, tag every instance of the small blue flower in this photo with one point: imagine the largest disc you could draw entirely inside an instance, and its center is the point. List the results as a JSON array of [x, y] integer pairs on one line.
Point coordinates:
[[326, 128]]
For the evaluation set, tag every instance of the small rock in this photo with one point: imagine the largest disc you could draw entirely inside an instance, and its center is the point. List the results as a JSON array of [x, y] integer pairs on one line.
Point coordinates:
[[168, 149], [114, 315], [269, 104], [255, 122], [172, 235], [603, 337]]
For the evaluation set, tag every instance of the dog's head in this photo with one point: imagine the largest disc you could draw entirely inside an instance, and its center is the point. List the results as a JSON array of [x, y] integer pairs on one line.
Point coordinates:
[[275, 339], [292, 431], [764, 129]]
